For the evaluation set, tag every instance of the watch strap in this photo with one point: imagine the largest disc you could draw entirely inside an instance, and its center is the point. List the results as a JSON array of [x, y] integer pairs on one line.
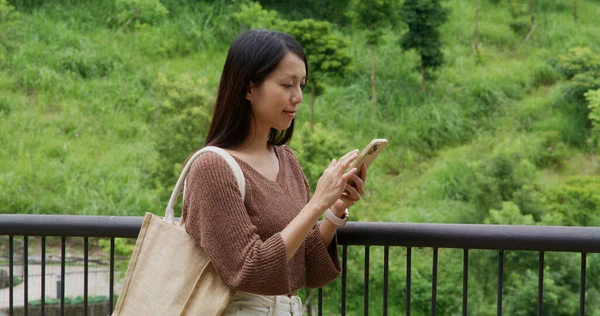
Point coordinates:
[[337, 221]]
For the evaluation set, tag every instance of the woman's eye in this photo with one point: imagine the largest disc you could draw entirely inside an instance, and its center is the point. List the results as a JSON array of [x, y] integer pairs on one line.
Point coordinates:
[[288, 86], [302, 86]]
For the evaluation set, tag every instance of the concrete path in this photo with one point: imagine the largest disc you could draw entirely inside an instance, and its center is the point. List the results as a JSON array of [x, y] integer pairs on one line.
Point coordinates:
[[98, 283]]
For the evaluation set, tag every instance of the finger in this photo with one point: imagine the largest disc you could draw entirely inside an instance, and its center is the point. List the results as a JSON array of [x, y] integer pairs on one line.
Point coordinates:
[[347, 159], [358, 184], [350, 153], [349, 174], [349, 156], [352, 192], [348, 201], [363, 174]]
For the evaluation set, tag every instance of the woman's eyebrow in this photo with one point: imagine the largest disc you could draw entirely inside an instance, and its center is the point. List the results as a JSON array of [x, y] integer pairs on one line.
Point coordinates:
[[292, 76]]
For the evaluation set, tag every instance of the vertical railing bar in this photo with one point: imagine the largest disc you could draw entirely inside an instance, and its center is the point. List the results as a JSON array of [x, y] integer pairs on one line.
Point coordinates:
[[112, 274], [465, 281], [366, 296], [320, 311], [11, 274], [344, 274], [500, 276], [582, 285], [63, 242], [25, 275], [386, 259], [85, 275], [434, 273], [540, 284], [408, 274], [43, 278]]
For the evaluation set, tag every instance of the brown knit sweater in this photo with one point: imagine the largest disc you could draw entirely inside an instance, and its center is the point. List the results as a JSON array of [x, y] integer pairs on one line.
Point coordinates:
[[243, 237]]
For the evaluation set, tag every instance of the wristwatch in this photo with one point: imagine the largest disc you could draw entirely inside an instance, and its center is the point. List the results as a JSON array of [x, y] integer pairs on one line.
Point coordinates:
[[337, 221]]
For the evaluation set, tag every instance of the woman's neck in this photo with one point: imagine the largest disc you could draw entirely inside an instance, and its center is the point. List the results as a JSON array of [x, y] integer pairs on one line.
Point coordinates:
[[257, 141]]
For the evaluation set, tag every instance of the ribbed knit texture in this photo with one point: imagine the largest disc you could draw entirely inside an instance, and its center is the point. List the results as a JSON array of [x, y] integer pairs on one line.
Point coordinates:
[[243, 237]]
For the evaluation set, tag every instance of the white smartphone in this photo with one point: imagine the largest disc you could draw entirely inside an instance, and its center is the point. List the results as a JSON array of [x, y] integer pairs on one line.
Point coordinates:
[[368, 155]]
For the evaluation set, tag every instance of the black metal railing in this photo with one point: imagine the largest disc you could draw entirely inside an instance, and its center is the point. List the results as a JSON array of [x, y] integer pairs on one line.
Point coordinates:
[[542, 239]]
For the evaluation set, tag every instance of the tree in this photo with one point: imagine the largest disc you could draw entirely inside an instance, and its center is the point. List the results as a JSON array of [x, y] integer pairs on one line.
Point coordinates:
[[252, 15], [325, 53], [532, 14], [374, 16], [423, 18]]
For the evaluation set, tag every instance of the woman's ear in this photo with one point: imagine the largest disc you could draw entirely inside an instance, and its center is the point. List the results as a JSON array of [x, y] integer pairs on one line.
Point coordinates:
[[250, 91]]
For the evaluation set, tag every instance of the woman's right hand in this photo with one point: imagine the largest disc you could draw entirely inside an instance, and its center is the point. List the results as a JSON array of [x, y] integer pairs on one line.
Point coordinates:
[[332, 183]]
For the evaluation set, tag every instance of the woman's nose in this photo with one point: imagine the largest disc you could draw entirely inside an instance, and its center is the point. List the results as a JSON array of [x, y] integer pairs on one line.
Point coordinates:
[[297, 97]]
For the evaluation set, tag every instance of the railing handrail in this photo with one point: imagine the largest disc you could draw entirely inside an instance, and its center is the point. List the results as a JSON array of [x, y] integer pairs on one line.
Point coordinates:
[[463, 236]]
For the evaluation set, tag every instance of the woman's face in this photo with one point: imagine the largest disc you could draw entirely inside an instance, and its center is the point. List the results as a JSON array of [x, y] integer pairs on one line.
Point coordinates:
[[275, 102]]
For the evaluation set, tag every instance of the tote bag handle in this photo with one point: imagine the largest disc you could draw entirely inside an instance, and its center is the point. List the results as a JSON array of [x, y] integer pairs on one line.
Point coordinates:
[[237, 172]]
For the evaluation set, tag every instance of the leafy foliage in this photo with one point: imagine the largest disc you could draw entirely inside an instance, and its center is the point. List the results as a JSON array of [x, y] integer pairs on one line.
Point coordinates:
[[325, 10], [593, 98], [137, 13], [372, 15], [577, 202], [8, 32], [325, 53], [324, 49], [316, 149], [578, 60], [123, 249], [423, 18], [181, 121], [252, 16]]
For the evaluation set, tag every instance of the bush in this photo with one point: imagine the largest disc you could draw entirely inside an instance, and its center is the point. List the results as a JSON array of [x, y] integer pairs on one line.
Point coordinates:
[[136, 13], [316, 149], [582, 83], [71, 300], [593, 98], [577, 61], [509, 214], [88, 64], [545, 75], [251, 15], [181, 122], [576, 202]]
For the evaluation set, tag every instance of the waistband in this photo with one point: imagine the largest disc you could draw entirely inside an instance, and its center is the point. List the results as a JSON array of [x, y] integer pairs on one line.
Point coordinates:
[[283, 303]]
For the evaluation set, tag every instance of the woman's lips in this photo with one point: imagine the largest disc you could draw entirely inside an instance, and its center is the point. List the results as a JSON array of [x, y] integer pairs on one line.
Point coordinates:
[[291, 114]]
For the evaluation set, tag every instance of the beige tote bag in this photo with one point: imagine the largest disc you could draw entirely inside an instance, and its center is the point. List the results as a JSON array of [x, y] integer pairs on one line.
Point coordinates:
[[169, 274]]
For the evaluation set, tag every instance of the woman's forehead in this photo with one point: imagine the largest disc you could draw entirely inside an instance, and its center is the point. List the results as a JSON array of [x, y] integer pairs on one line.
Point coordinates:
[[291, 66]]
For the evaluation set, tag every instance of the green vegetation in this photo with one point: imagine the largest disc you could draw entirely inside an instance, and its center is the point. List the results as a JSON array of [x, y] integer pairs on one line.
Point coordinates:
[[102, 101], [16, 281], [72, 300]]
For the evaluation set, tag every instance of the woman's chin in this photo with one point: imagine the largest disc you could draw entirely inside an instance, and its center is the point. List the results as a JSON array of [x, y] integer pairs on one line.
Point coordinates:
[[283, 127]]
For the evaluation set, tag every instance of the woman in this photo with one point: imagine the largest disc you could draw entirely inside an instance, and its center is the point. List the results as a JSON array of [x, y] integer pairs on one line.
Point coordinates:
[[266, 246]]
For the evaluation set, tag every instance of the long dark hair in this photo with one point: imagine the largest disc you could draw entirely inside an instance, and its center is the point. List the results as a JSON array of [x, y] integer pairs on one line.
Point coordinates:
[[253, 55]]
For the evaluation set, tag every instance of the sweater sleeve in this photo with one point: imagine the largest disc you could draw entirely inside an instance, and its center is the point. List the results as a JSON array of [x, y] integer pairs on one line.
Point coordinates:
[[215, 215], [322, 263]]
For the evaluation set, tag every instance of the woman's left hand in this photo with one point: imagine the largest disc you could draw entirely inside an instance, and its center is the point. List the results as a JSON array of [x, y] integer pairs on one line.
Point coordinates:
[[351, 194]]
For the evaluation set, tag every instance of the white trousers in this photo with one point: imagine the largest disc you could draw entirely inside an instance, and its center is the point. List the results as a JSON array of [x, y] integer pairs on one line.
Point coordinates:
[[243, 303]]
